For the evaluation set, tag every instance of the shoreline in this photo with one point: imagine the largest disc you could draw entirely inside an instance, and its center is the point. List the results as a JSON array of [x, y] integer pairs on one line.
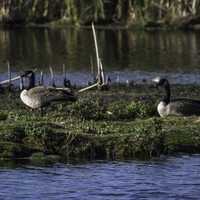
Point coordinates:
[[164, 28], [188, 23]]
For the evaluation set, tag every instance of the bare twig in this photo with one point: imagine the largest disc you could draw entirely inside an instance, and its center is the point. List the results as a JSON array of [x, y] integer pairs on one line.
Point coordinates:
[[7, 81], [13, 79]]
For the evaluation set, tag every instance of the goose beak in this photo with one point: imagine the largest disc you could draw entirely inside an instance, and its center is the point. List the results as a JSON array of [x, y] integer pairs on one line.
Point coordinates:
[[156, 80]]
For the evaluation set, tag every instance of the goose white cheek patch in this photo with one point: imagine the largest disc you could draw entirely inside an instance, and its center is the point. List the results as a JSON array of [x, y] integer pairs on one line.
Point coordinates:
[[156, 80]]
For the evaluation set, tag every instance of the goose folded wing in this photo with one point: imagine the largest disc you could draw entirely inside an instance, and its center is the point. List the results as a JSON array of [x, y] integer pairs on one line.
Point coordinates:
[[56, 94], [185, 106]]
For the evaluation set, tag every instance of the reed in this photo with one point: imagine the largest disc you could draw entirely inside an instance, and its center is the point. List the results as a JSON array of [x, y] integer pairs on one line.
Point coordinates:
[[52, 77], [9, 75], [41, 81]]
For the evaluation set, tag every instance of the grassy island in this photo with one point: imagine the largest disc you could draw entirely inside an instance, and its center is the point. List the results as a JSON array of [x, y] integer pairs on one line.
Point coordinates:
[[121, 123]]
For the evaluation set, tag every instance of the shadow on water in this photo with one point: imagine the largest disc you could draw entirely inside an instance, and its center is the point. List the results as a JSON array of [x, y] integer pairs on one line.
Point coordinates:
[[126, 54]]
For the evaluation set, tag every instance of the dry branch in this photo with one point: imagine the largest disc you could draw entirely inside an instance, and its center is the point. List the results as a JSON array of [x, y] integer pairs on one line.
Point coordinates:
[[89, 87]]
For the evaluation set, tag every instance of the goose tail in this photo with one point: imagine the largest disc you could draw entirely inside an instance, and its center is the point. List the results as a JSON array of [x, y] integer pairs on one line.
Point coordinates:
[[66, 94]]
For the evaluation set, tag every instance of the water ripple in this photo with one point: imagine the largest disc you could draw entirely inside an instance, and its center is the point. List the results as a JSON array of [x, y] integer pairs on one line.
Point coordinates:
[[173, 178]]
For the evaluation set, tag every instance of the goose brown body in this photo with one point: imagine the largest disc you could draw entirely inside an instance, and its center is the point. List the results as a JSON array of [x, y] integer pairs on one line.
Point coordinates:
[[179, 107], [41, 96]]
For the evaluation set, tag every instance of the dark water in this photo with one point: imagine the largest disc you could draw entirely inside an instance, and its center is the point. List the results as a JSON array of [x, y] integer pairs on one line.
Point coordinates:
[[126, 55], [173, 178]]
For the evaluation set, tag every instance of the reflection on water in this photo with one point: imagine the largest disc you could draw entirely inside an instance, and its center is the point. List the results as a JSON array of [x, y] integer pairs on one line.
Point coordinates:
[[119, 49], [176, 178]]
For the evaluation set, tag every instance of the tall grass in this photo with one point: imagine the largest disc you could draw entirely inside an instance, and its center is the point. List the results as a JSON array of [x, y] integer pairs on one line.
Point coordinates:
[[86, 11]]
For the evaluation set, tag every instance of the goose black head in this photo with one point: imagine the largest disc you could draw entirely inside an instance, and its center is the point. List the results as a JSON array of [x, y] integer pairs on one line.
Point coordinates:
[[31, 77], [31, 80], [160, 82], [163, 82]]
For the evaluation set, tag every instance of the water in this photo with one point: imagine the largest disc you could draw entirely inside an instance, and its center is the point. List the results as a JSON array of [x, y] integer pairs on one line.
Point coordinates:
[[126, 55], [170, 178]]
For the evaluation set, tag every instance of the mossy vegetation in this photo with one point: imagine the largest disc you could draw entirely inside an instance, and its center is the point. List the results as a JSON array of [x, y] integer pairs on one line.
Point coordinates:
[[141, 13], [121, 123]]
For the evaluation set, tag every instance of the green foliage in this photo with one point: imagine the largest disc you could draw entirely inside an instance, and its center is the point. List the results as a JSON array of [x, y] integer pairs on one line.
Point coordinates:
[[120, 111], [88, 109], [13, 133], [150, 138], [10, 150], [3, 116], [35, 129], [40, 159], [142, 109]]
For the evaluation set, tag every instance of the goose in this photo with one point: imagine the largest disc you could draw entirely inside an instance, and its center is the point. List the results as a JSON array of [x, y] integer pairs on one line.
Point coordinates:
[[177, 107], [39, 96]]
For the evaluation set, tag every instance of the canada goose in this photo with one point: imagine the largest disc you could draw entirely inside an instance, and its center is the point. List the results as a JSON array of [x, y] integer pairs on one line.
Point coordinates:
[[179, 107], [40, 96]]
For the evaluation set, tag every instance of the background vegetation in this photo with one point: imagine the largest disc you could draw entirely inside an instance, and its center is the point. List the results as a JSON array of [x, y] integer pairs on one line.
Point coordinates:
[[120, 12]]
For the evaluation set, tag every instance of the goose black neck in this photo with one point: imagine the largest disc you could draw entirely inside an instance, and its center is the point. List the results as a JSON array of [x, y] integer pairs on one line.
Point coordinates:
[[166, 86], [31, 80]]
